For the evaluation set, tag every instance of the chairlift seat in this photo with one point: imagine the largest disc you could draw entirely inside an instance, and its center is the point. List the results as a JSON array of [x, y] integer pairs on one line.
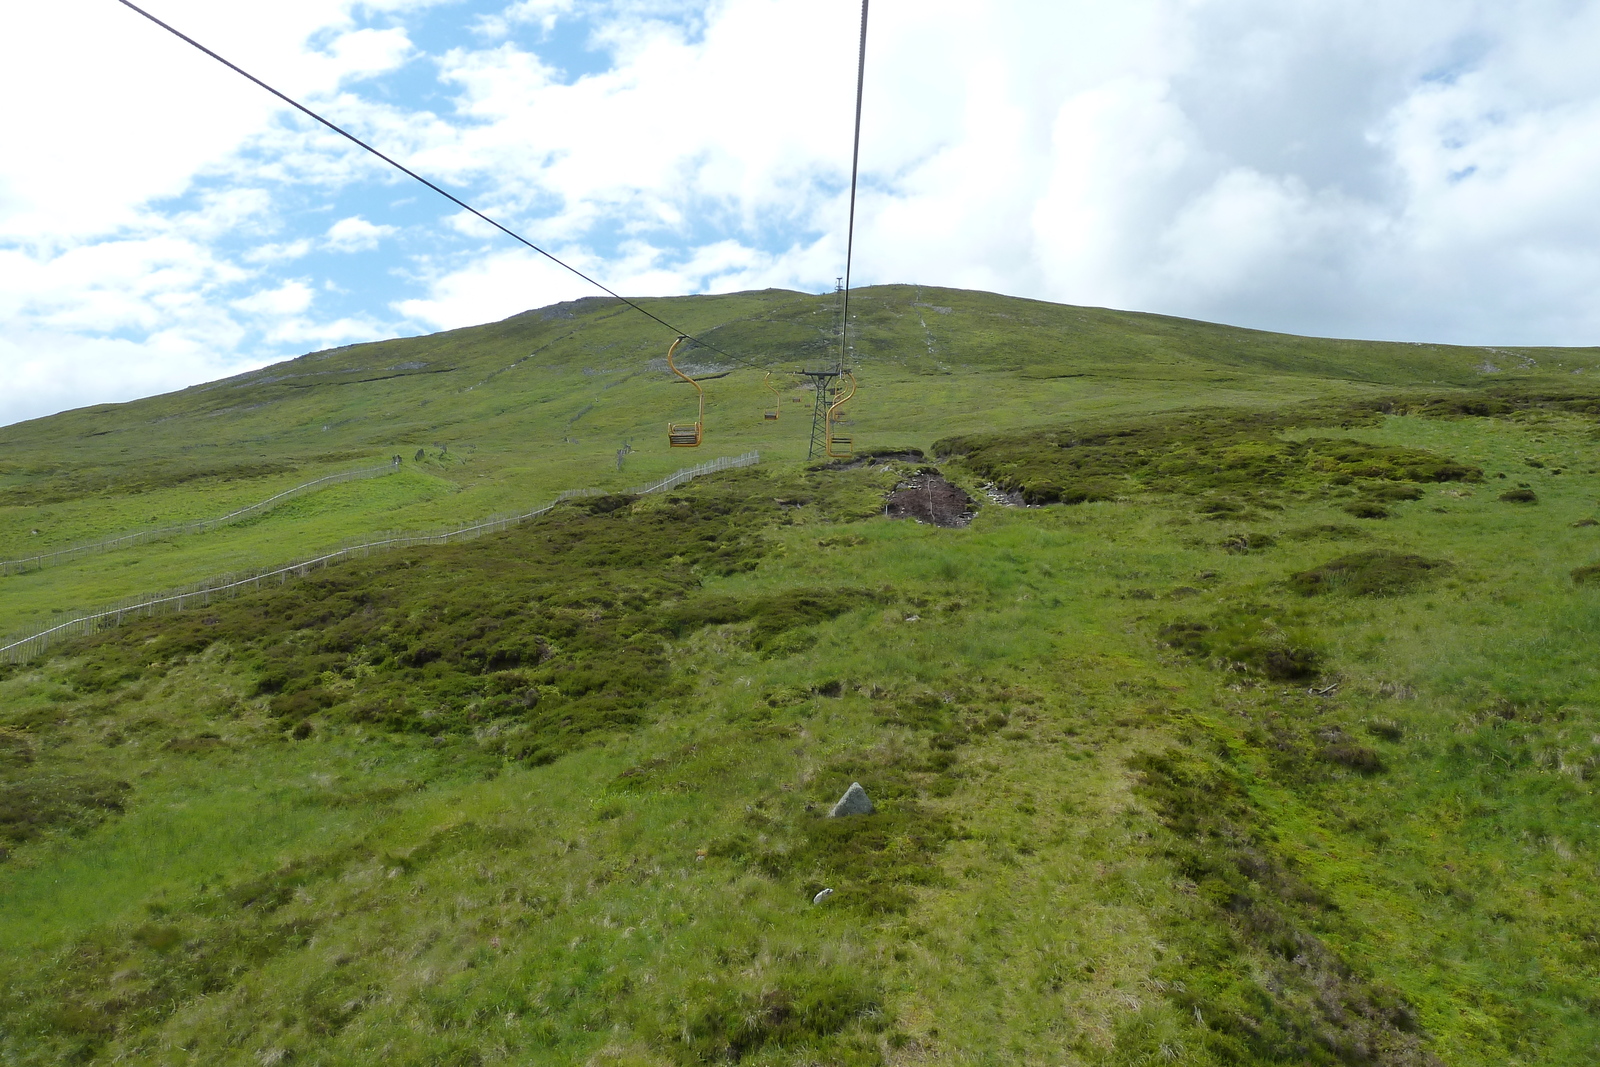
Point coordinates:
[[685, 434]]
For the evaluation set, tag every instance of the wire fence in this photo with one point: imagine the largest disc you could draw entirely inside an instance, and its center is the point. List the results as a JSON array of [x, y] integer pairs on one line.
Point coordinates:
[[26, 647], [159, 533]]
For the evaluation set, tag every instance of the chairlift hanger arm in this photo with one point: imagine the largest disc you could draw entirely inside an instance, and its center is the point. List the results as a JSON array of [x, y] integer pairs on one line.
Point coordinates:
[[679, 434], [830, 441]]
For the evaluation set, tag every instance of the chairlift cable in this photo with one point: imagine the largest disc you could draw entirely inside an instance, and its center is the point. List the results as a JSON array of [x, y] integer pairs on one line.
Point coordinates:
[[442, 192], [855, 169]]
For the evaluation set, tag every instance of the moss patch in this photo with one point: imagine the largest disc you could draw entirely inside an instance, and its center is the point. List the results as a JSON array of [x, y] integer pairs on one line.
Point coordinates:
[[1196, 452], [1251, 639], [34, 804], [1377, 572], [1588, 574], [1270, 989], [531, 640]]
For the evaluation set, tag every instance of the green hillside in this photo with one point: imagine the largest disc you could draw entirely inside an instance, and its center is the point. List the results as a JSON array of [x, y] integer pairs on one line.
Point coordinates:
[[1246, 715], [508, 414]]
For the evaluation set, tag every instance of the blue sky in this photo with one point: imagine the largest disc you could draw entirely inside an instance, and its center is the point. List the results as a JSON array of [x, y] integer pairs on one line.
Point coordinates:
[[1340, 167]]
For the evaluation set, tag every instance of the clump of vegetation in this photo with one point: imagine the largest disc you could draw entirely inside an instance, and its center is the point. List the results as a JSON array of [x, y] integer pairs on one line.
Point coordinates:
[[1377, 572], [1386, 729], [1247, 639], [1273, 990], [1367, 509], [1339, 748], [1327, 531], [1243, 543], [1520, 496], [1588, 574], [772, 615], [806, 1013], [1392, 493], [532, 640], [1193, 453], [34, 804], [869, 861]]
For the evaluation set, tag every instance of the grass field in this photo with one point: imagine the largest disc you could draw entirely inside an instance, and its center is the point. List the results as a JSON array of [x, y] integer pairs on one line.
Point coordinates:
[[1278, 746]]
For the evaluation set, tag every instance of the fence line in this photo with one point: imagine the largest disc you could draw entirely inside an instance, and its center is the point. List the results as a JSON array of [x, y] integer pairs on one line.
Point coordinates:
[[201, 594], [139, 537]]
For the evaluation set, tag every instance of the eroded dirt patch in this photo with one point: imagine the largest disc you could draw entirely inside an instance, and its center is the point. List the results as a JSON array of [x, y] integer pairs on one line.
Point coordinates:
[[927, 497]]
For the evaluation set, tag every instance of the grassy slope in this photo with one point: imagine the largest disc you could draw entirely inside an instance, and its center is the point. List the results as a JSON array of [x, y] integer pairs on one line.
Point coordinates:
[[1094, 847], [542, 401]]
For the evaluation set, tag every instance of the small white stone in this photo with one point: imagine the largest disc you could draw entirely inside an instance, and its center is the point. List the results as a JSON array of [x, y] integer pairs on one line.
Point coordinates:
[[820, 897]]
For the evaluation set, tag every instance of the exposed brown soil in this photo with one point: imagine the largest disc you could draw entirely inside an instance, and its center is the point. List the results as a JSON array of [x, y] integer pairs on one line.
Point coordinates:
[[928, 497]]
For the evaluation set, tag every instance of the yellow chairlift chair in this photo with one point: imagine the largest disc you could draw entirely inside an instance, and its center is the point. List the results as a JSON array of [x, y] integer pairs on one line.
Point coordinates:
[[777, 401], [686, 434]]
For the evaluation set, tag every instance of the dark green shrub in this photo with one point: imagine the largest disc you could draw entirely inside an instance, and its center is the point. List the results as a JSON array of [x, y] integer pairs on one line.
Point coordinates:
[[1248, 640], [31, 805], [1389, 493], [1588, 574], [1520, 496], [1354, 756], [725, 1024], [1387, 729], [1377, 572], [1248, 542], [560, 626], [1366, 509], [1328, 531], [1250, 966], [300, 705], [1193, 452]]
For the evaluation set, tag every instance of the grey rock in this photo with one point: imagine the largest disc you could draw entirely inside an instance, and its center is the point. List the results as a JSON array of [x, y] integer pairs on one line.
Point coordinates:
[[854, 802]]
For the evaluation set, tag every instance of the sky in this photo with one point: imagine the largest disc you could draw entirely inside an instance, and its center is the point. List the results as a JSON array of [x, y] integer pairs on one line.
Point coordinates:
[[1424, 171]]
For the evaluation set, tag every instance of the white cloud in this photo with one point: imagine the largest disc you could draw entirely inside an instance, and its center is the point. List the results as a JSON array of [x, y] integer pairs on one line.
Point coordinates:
[[541, 13], [103, 294], [1350, 167], [52, 371], [356, 234], [494, 286], [290, 298], [278, 253], [315, 335]]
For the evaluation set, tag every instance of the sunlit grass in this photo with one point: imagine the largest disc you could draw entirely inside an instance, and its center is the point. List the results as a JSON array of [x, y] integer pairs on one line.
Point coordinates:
[[325, 887]]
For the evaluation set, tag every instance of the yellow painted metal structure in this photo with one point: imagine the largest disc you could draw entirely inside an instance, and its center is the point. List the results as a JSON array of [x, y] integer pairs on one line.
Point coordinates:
[[685, 434], [777, 400], [839, 447]]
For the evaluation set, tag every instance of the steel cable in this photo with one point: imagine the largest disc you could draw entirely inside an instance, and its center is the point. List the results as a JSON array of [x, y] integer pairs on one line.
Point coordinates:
[[855, 169], [442, 192]]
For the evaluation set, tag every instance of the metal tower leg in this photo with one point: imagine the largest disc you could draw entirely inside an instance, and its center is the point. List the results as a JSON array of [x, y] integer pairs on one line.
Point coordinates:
[[819, 416]]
